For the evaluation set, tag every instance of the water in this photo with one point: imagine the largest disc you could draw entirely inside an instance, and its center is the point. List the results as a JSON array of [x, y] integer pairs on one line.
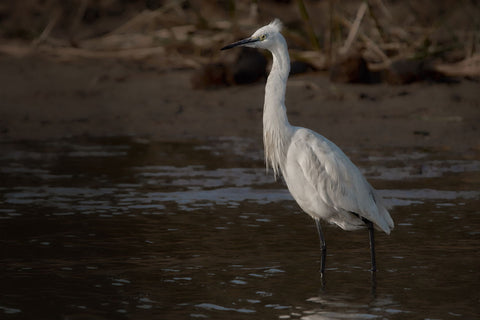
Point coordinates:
[[130, 229]]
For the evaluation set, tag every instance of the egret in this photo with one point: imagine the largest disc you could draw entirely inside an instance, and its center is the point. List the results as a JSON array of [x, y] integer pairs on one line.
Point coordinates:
[[320, 177]]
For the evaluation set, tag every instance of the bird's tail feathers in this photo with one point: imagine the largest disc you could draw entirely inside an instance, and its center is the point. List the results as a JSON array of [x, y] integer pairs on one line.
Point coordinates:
[[385, 221]]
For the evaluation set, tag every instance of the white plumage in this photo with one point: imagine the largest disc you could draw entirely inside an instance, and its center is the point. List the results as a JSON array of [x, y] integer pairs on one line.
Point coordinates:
[[320, 177], [327, 185]]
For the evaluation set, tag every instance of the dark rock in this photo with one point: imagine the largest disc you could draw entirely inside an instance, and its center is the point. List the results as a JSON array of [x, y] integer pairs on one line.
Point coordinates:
[[212, 75], [249, 67], [351, 69], [297, 67], [405, 71]]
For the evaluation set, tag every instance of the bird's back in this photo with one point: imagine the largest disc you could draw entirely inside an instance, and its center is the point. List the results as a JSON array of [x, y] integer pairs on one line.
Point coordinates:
[[327, 185]]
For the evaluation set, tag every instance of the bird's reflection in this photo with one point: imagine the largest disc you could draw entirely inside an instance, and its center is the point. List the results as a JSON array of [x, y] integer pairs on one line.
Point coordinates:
[[330, 304]]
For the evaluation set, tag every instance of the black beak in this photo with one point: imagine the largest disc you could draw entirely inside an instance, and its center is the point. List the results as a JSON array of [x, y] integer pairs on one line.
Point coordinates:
[[240, 43]]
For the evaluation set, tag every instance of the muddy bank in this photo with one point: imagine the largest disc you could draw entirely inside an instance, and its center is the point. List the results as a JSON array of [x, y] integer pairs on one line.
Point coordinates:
[[43, 98]]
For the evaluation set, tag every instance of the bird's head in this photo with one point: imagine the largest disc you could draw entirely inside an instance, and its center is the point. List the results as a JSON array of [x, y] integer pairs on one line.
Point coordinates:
[[265, 38]]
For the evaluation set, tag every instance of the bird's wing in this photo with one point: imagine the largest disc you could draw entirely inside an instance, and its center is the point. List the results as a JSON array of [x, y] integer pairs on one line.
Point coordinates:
[[330, 172]]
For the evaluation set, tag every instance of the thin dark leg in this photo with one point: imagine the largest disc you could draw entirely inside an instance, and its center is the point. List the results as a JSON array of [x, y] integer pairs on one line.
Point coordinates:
[[374, 284], [372, 243], [323, 246]]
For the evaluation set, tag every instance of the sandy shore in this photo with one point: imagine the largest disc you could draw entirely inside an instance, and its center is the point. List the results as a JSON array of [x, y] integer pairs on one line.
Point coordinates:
[[42, 98]]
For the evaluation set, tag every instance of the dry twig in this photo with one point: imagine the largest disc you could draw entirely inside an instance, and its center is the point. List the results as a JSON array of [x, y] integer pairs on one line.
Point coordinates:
[[352, 35], [51, 24]]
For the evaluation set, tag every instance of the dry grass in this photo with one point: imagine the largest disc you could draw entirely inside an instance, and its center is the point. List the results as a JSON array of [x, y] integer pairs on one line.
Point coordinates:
[[188, 34]]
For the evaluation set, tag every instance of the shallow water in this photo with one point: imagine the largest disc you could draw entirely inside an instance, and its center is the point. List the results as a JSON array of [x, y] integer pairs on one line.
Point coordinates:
[[123, 228]]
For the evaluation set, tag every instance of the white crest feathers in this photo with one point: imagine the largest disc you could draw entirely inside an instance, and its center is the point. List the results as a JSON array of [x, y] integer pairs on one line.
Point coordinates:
[[276, 24]]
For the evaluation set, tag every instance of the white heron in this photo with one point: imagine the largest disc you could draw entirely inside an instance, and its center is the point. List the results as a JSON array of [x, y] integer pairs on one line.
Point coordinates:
[[320, 177]]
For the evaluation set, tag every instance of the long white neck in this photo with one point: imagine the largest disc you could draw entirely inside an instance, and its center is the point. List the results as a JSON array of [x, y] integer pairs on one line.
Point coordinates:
[[277, 131]]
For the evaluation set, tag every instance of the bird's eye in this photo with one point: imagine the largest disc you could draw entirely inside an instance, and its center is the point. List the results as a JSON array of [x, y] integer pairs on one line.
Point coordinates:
[[263, 37]]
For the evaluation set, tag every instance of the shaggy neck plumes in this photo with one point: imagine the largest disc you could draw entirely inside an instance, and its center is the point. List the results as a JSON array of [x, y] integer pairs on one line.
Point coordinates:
[[276, 129]]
